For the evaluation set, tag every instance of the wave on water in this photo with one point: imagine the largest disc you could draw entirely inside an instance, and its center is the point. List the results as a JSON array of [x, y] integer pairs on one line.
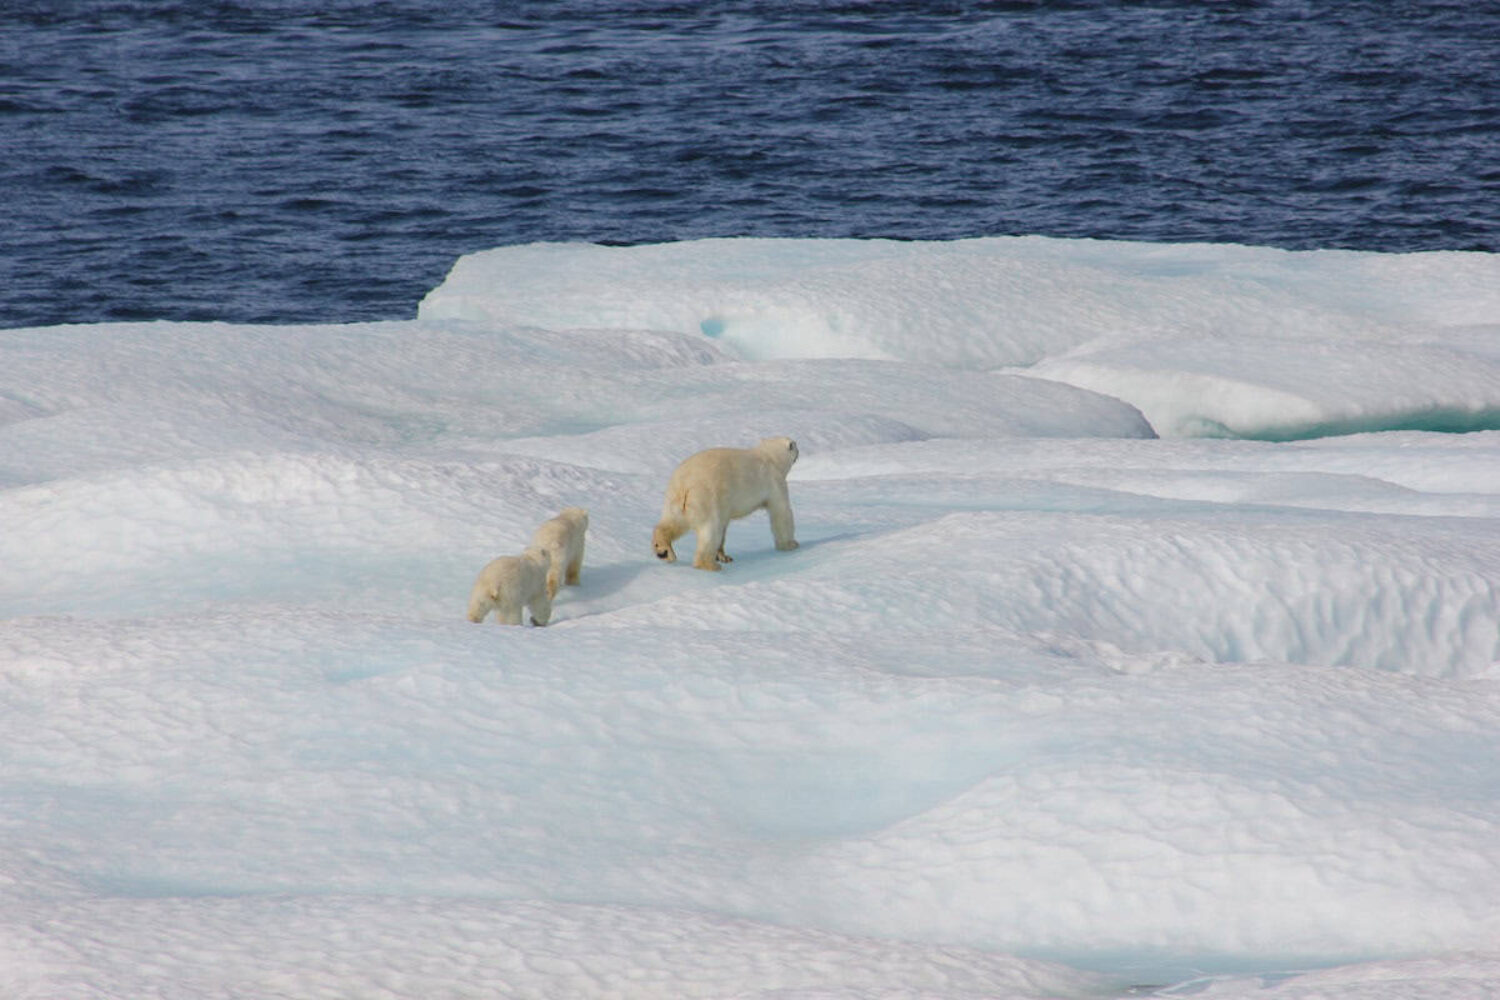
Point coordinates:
[[273, 163]]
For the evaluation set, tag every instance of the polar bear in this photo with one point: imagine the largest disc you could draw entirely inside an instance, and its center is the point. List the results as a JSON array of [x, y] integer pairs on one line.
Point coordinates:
[[714, 487], [508, 584], [562, 537]]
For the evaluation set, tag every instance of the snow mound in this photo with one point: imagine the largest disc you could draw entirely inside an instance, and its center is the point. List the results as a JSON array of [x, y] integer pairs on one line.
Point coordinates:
[[262, 947], [1218, 341], [1408, 597], [1282, 389], [1465, 976]]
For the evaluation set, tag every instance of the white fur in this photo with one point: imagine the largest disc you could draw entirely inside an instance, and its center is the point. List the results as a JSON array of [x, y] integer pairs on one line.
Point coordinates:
[[714, 487], [510, 583], [562, 538]]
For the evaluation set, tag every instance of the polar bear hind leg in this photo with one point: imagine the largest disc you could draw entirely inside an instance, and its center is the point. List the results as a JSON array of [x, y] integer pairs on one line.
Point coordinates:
[[667, 531], [480, 605], [575, 567], [710, 544], [555, 557]]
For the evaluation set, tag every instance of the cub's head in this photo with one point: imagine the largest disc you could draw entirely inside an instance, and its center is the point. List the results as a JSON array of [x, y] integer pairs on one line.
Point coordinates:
[[577, 515], [662, 538]]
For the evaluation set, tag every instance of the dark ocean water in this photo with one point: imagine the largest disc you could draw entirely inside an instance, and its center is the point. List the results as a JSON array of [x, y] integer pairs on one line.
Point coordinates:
[[293, 160]]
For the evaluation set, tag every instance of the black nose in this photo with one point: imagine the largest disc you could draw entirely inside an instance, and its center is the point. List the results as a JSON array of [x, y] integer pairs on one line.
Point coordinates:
[[661, 555]]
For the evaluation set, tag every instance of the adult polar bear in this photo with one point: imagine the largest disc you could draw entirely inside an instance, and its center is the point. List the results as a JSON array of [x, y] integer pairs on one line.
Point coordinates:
[[713, 487]]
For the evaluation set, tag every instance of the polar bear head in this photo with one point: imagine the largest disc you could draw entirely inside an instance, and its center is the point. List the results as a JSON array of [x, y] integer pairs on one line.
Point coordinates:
[[782, 451]]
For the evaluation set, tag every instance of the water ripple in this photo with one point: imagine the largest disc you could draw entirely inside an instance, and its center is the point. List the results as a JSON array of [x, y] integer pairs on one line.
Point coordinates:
[[257, 161]]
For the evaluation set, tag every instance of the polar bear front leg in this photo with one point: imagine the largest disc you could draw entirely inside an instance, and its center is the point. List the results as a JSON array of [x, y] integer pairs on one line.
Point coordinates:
[[507, 610], [710, 544], [779, 506]]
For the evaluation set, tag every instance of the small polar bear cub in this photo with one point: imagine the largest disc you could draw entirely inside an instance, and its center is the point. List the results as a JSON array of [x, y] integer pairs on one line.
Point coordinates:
[[714, 487], [510, 583], [562, 538]]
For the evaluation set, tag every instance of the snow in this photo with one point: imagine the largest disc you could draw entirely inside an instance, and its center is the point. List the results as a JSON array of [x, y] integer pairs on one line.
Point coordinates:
[[1143, 634]]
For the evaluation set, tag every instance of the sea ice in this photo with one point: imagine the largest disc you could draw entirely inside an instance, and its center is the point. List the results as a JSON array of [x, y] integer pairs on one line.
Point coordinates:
[[1072, 688]]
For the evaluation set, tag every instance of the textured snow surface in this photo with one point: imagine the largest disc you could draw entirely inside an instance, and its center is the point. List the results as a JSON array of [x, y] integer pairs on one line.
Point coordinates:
[[1045, 704], [1222, 341]]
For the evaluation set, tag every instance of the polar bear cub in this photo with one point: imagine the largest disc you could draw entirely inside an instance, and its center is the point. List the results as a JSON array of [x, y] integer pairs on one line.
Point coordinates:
[[508, 584], [562, 538], [714, 487]]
